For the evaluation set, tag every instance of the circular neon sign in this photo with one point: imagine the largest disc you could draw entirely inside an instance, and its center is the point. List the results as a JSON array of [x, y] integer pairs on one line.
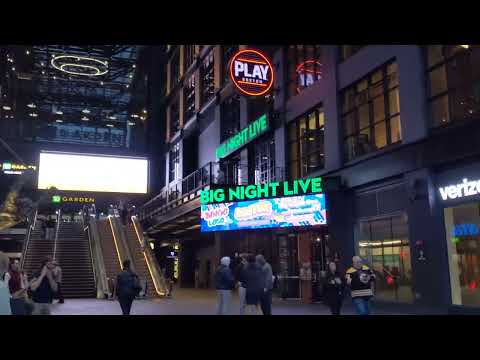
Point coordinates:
[[308, 72], [79, 65], [251, 72]]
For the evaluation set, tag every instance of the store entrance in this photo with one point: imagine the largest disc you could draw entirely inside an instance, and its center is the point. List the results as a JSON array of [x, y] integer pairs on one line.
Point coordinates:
[[321, 256], [288, 266]]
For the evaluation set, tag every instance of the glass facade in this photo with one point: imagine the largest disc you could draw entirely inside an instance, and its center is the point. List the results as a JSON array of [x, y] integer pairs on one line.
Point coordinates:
[[348, 50], [462, 224], [189, 94], [227, 52], [174, 166], [174, 117], [384, 244], [305, 144], [453, 83], [304, 67], [371, 113], [208, 83]]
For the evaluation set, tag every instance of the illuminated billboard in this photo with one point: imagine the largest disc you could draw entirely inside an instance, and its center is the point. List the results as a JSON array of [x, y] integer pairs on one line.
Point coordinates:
[[84, 172], [306, 210]]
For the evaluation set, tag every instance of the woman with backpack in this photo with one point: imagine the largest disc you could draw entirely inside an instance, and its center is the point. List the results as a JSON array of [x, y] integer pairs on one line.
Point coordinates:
[[128, 287]]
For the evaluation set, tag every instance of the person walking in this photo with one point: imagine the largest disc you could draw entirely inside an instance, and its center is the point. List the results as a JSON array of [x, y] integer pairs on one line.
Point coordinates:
[[43, 287], [361, 281], [57, 275], [253, 279], [333, 289], [5, 308], [266, 300], [128, 287], [17, 286], [224, 283], [242, 291]]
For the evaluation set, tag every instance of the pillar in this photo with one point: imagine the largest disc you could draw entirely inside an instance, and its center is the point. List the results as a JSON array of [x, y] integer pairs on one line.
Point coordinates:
[[305, 258]]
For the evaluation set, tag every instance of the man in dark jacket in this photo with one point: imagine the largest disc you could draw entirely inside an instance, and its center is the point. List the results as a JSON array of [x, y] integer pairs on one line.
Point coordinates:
[[361, 281], [127, 288], [266, 301], [224, 283], [253, 279]]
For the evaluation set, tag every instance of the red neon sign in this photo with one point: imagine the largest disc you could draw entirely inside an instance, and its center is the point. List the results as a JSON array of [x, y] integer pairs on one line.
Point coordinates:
[[251, 72], [307, 73]]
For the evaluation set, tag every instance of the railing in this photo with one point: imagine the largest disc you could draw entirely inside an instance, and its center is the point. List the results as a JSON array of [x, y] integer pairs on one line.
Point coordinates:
[[27, 240], [59, 218], [211, 173], [86, 228]]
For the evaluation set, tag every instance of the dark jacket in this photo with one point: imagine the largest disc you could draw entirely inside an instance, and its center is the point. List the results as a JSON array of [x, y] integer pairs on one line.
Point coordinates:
[[127, 284], [253, 279], [333, 291], [362, 281], [224, 278]]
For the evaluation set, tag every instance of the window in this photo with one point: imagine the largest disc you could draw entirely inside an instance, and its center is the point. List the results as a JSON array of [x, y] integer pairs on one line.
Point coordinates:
[[349, 50], [208, 83], [189, 93], [227, 52], [453, 83], [230, 112], [304, 67], [305, 144], [385, 247], [174, 165], [265, 161], [189, 53], [175, 69], [462, 225], [371, 112], [174, 117]]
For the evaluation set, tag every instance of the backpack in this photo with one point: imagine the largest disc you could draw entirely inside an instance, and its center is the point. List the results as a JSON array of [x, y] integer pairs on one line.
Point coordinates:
[[136, 285]]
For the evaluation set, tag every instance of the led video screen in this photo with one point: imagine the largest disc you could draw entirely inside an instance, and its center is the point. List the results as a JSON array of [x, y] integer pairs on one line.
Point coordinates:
[[306, 210], [83, 172]]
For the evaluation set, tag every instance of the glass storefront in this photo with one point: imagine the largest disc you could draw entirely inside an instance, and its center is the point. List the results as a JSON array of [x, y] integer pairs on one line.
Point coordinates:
[[462, 224], [384, 244]]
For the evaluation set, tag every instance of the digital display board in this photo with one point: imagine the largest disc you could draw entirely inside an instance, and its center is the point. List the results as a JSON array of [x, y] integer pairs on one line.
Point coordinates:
[[96, 173], [306, 210]]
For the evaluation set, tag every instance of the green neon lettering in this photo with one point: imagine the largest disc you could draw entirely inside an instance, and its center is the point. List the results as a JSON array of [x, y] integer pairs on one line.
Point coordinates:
[[316, 185], [251, 191], [219, 195], [274, 186], [304, 185], [286, 190], [236, 193], [262, 190], [204, 196]]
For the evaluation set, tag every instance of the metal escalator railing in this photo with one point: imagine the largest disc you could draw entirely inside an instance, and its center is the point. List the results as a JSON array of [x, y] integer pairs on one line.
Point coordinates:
[[59, 218], [31, 227]]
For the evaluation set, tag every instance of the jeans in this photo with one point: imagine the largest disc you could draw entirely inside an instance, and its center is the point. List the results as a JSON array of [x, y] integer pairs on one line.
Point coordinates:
[[41, 309], [242, 293], [266, 302], [126, 304], [59, 294], [224, 297], [362, 305], [335, 305]]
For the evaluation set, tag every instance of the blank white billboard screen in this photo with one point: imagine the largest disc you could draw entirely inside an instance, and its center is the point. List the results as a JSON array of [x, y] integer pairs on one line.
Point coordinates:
[[79, 172]]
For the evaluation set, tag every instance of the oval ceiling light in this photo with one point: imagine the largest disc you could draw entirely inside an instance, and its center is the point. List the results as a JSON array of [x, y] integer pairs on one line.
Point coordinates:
[[32, 105], [84, 118], [79, 65], [5, 107], [86, 111]]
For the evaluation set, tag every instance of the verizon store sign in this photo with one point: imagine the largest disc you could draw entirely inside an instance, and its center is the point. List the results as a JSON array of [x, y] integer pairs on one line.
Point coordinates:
[[464, 189]]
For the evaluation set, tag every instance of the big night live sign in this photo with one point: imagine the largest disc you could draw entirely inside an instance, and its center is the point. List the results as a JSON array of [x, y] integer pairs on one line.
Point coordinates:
[[251, 72], [243, 137]]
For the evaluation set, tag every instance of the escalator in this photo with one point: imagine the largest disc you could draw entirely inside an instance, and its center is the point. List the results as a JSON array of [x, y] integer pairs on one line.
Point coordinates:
[[109, 250]]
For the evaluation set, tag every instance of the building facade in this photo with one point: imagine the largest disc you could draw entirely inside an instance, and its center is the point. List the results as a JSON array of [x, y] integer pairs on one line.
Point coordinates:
[[392, 125]]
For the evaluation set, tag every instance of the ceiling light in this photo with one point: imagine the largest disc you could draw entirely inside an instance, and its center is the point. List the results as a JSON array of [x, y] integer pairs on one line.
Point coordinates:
[[27, 52], [127, 86], [130, 76], [134, 115], [42, 63], [13, 68], [131, 123], [59, 112], [32, 105], [5, 107], [54, 78], [86, 111], [43, 72], [144, 111], [33, 114], [59, 121], [112, 117], [465, 46], [110, 125], [134, 66], [84, 66], [84, 118], [143, 117], [101, 82]]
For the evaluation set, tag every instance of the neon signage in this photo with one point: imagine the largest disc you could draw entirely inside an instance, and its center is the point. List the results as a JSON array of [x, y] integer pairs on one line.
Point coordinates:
[[70, 199], [307, 73], [251, 72], [306, 210], [261, 191], [16, 169], [465, 188], [243, 137]]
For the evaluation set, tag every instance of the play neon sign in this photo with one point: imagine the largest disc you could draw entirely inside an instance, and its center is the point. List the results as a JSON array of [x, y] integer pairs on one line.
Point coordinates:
[[251, 72]]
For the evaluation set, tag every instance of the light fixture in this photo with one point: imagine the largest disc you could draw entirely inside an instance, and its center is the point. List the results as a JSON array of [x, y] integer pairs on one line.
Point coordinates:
[[143, 117], [59, 121], [465, 46], [134, 115], [112, 117], [101, 82], [144, 111], [86, 111], [110, 125], [5, 107], [42, 63], [130, 76], [54, 77], [33, 114], [32, 105], [59, 112], [134, 66], [131, 123], [13, 68], [27, 52], [79, 65], [84, 118], [127, 86], [43, 72]]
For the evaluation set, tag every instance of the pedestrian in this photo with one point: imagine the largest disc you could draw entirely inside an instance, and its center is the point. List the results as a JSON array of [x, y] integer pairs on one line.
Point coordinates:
[[128, 287], [361, 281], [333, 288], [266, 301], [5, 308], [242, 291], [57, 275], [253, 278], [224, 283], [43, 287], [17, 286]]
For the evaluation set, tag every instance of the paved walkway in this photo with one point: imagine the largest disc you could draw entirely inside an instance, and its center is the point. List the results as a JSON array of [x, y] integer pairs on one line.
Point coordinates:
[[193, 302]]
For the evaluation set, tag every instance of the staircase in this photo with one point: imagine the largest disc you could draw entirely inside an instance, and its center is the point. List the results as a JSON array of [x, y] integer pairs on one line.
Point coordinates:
[[139, 260], [73, 255], [109, 250], [37, 249]]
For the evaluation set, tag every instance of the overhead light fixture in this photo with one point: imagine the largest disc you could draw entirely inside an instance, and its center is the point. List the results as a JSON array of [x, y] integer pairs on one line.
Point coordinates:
[[143, 117], [144, 111], [131, 123], [42, 63], [79, 65], [59, 121], [101, 82], [130, 76], [13, 68], [43, 72], [465, 46], [5, 107], [27, 52], [134, 115], [33, 114], [84, 118], [112, 117], [54, 77], [110, 125], [32, 105], [86, 111], [59, 112], [127, 86], [134, 66]]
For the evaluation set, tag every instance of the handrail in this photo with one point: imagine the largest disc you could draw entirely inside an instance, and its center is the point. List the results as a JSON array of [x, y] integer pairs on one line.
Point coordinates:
[[56, 233], [91, 254], [27, 240]]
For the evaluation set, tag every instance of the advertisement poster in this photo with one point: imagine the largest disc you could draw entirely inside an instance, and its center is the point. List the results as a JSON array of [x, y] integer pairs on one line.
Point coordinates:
[[306, 210]]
